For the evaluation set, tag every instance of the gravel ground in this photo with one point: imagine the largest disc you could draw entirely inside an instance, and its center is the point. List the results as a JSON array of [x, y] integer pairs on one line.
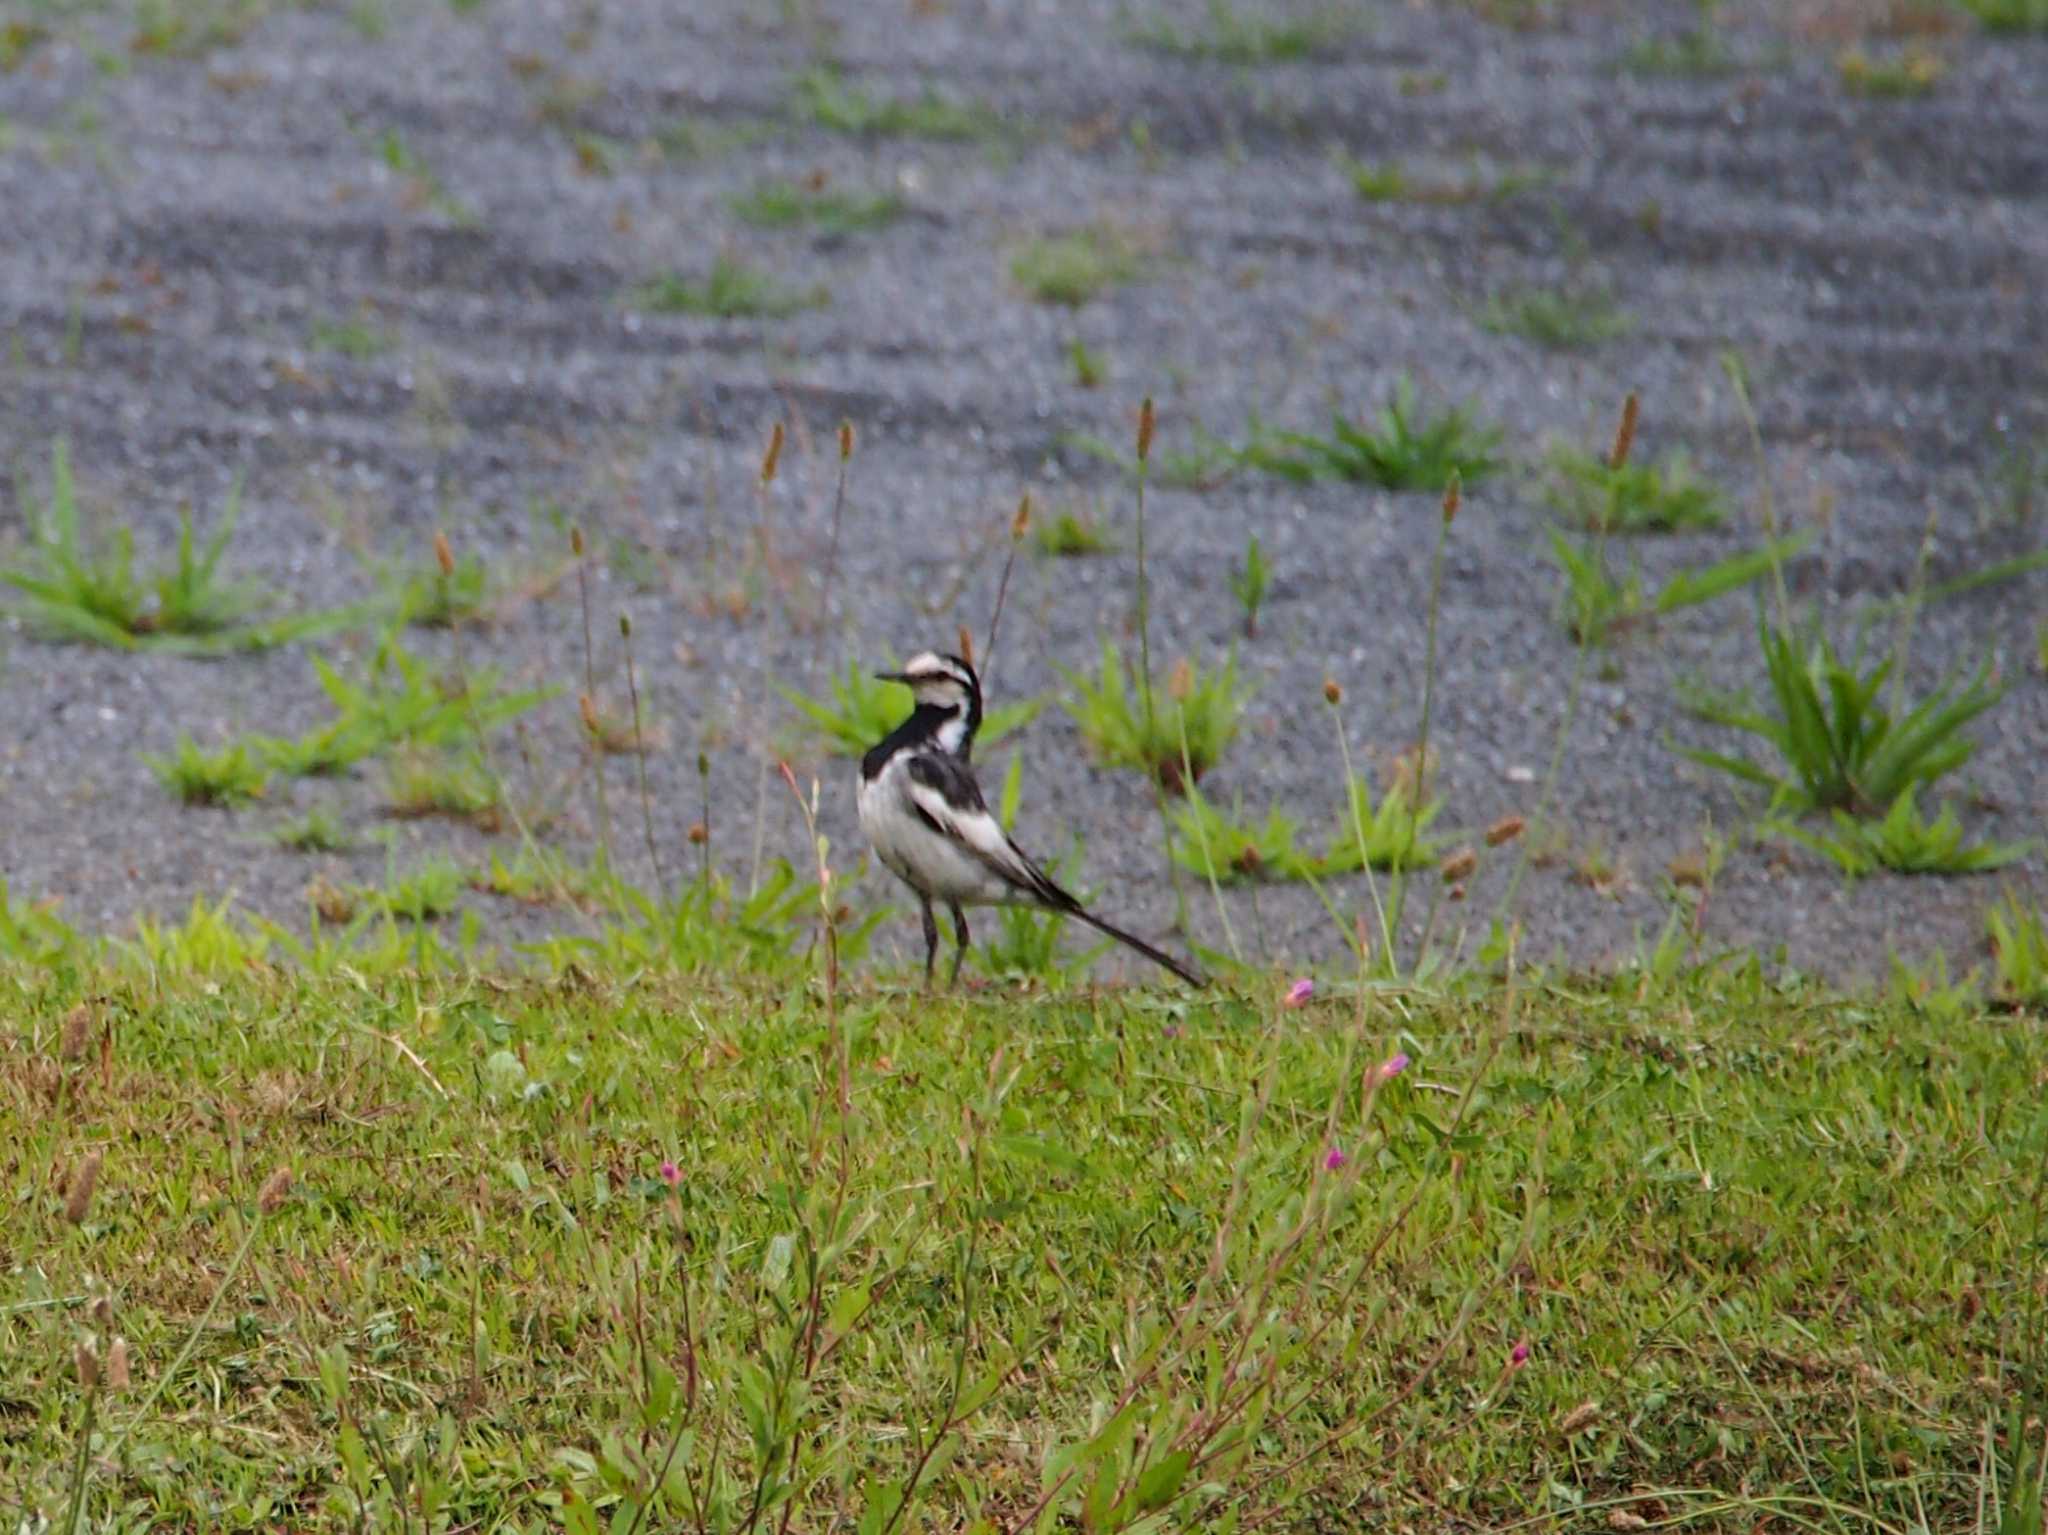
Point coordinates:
[[184, 227]]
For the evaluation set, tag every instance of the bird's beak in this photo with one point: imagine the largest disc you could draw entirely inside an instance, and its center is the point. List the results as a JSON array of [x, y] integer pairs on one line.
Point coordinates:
[[892, 677]]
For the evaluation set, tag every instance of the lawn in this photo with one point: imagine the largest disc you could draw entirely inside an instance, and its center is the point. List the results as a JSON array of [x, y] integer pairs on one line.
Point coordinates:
[[609, 1249]]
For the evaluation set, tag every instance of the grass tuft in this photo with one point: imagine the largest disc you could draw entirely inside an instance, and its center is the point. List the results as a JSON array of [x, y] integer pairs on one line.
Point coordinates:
[[1234, 37], [1197, 710], [1903, 841], [1403, 450], [1561, 319], [234, 775], [791, 204], [1664, 497], [731, 290], [823, 98], [1074, 268]]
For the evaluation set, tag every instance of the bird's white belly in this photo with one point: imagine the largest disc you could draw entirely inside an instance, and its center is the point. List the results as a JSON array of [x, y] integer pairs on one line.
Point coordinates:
[[929, 863]]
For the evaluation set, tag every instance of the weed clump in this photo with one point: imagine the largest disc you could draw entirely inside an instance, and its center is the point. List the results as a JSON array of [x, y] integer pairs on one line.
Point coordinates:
[[232, 776], [1076, 267], [731, 290], [1174, 735]]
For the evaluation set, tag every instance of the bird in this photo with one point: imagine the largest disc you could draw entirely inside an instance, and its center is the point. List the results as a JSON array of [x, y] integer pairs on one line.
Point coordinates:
[[922, 811]]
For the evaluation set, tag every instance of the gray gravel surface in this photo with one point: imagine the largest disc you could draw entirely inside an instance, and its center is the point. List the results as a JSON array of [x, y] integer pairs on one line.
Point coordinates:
[[177, 227]]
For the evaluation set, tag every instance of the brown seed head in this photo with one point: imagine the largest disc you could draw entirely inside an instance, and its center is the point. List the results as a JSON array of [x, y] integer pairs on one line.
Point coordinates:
[[1457, 893], [117, 1365], [966, 645], [87, 1363], [84, 1179], [845, 441], [1453, 493], [1579, 1417], [1145, 420], [588, 710], [698, 832], [444, 556], [103, 1312], [1459, 865], [1022, 521], [1625, 434], [77, 1026], [576, 542], [1333, 695], [275, 1187], [773, 456], [1181, 680], [1506, 829]]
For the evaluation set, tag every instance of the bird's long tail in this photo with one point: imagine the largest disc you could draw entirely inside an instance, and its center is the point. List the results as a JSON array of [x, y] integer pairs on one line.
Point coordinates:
[[1158, 957]]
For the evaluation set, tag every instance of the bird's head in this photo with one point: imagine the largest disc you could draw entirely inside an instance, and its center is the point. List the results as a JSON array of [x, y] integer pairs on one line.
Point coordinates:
[[938, 682]]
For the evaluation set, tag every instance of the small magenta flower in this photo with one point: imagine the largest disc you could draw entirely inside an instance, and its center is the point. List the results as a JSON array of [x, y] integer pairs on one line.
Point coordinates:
[[1393, 1066], [1170, 1031], [1335, 1159], [671, 1174], [1518, 1355], [1299, 993]]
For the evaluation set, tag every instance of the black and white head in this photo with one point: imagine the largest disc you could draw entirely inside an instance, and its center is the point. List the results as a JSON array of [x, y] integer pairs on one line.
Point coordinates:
[[948, 698]]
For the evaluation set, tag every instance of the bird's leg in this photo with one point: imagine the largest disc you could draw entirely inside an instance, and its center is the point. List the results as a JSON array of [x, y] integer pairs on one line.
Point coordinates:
[[931, 940], [959, 932]]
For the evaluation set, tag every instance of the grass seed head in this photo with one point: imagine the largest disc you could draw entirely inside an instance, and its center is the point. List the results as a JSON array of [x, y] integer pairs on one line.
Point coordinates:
[[117, 1365], [966, 645], [773, 456], [1625, 434], [444, 556], [1333, 695], [87, 1363], [1022, 521], [77, 1025], [275, 1187], [1145, 421], [1459, 866], [103, 1312], [576, 542], [1181, 681], [1506, 829], [845, 441], [1453, 493], [698, 833], [588, 710], [625, 627], [84, 1179]]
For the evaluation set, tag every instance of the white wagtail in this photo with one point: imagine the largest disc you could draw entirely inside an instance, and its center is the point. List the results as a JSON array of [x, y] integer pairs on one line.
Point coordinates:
[[923, 811]]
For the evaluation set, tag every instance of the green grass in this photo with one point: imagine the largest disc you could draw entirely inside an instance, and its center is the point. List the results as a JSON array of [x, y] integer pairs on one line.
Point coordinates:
[[789, 204], [1403, 449], [1233, 37], [2010, 15], [73, 589], [1075, 268], [1909, 74], [1667, 496], [1560, 319], [234, 775], [1392, 835], [1838, 743], [1192, 718], [356, 339], [398, 700], [1597, 607], [1071, 535], [731, 290], [1903, 841], [548, 1245], [823, 98]]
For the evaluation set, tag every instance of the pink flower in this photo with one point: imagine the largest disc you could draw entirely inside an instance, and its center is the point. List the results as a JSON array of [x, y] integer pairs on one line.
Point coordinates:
[[1393, 1066], [1170, 1031], [1299, 993], [1518, 1355], [671, 1174], [1335, 1159]]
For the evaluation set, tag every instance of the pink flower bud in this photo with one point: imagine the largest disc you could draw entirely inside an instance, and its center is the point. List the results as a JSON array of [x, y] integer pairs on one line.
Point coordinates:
[[1393, 1066], [1299, 993], [1518, 1355], [671, 1174], [1335, 1159]]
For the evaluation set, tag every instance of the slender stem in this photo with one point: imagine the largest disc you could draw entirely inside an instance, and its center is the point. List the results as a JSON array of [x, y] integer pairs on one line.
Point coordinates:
[[78, 1466], [1202, 837], [640, 753], [1353, 793], [604, 809]]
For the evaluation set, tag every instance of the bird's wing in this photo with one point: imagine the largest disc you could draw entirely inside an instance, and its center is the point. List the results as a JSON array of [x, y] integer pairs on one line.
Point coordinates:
[[945, 796]]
